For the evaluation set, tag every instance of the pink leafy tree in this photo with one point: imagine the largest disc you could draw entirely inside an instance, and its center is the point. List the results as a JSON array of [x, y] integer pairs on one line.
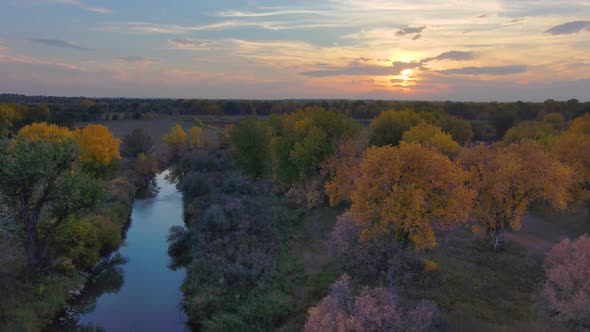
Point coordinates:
[[373, 309], [566, 292]]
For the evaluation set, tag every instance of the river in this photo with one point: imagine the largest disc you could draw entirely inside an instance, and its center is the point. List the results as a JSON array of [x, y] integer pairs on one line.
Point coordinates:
[[143, 293]]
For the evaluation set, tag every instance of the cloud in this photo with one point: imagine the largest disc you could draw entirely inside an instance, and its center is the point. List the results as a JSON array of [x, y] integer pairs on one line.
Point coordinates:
[[172, 29], [58, 43], [79, 4], [234, 13], [452, 55], [416, 37], [492, 70], [138, 59], [409, 31], [189, 44], [27, 60], [568, 28], [365, 70]]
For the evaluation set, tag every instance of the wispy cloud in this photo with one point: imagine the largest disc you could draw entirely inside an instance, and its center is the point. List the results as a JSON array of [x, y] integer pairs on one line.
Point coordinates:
[[58, 43], [138, 59], [409, 31], [171, 29], [568, 28], [81, 5], [234, 13], [189, 44], [365, 70], [452, 55], [27, 60], [490, 70]]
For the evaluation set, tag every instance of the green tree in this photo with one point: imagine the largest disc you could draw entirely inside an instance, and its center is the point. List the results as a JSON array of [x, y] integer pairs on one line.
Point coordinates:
[[139, 141], [41, 183], [388, 127], [250, 141]]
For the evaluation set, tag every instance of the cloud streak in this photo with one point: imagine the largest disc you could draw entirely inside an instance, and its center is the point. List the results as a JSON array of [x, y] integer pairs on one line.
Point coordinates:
[[58, 43], [490, 70], [568, 28], [79, 4]]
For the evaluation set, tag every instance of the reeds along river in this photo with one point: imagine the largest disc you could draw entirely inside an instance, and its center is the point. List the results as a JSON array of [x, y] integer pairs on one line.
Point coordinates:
[[139, 292]]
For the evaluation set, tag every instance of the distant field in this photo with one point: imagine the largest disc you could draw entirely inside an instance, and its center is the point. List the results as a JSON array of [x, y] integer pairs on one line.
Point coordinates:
[[159, 126]]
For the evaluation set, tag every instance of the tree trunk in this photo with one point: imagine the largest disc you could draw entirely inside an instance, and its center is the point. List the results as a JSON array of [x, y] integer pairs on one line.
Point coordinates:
[[34, 249], [497, 240]]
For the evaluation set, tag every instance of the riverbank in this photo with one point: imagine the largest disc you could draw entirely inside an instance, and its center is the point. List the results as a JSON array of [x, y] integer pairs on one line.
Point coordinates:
[[32, 302]]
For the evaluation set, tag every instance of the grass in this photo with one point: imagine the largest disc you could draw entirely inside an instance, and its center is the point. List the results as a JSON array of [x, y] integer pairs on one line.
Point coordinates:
[[32, 305]]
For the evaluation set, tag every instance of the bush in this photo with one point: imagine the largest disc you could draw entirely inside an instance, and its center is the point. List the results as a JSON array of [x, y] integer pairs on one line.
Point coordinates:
[[194, 185], [566, 292], [77, 239], [235, 183], [139, 141], [376, 309]]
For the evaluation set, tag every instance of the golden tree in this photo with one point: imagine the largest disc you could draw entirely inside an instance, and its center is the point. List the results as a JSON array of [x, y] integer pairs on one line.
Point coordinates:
[[409, 191], [432, 135], [100, 148], [508, 178], [572, 147], [343, 169], [43, 130], [194, 135], [176, 140]]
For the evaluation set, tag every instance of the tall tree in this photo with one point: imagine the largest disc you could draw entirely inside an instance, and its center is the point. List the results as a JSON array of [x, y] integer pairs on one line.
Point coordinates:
[[250, 141], [432, 135], [100, 149], [176, 141], [409, 191], [39, 181], [388, 127], [138, 141], [508, 178]]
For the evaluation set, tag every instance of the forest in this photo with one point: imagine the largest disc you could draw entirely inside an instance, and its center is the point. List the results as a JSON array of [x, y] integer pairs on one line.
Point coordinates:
[[314, 215]]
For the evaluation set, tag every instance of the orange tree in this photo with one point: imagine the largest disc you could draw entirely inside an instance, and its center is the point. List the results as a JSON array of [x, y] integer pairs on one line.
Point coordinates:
[[100, 149], [572, 147], [408, 192], [507, 179]]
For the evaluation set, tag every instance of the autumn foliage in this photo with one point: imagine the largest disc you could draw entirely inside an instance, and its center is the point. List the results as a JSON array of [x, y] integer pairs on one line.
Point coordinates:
[[432, 135], [43, 130], [100, 147], [373, 309], [176, 140], [508, 178], [409, 191]]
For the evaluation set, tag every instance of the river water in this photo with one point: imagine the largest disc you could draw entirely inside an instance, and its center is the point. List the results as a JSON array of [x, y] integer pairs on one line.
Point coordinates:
[[143, 293]]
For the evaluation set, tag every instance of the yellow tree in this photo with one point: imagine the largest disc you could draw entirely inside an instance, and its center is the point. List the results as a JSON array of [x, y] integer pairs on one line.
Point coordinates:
[[100, 148], [51, 132], [581, 125], [409, 191], [432, 135], [176, 141], [343, 169], [573, 148], [508, 178], [194, 137]]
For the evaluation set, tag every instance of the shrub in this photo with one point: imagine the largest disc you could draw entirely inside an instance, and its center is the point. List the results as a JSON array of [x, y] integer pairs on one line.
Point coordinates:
[[375, 309], [194, 185], [77, 239], [235, 183], [139, 141], [566, 292]]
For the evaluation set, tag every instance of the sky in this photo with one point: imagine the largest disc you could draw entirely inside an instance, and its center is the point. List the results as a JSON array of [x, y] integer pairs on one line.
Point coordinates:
[[502, 50]]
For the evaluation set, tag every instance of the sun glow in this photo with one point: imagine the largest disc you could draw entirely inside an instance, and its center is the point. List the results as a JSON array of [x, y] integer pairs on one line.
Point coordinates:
[[406, 73]]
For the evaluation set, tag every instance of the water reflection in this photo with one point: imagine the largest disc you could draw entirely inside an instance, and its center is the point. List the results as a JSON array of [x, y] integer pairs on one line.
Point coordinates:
[[136, 290]]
